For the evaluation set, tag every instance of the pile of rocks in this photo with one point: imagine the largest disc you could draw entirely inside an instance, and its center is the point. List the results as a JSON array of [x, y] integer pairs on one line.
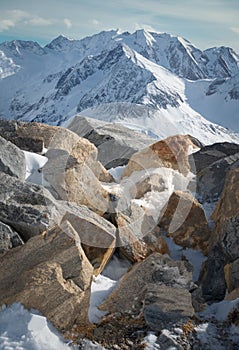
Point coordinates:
[[55, 235]]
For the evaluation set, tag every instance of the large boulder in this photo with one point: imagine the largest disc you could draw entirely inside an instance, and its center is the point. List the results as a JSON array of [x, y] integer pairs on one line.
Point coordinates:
[[70, 177], [226, 217], [212, 172], [97, 235], [49, 273], [184, 220], [171, 153], [166, 305], [8, 238], [27, 208], [31, 210], [212, 278], [32, 137], [12, 160], [223, 247], [37, 137], [115, 142], [141, 292], [207, 155]]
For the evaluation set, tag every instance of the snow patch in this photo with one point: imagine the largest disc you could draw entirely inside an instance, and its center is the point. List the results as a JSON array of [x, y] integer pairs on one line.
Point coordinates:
[[34, 163], [28, 330]]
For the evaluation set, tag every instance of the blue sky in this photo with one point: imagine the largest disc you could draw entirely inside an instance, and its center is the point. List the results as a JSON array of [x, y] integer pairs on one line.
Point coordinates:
[[205, 23]]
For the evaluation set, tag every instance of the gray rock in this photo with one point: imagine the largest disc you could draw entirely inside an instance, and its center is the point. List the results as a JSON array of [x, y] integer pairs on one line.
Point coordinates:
[[11, 131], [115, 142], [12, 160], [166, 306], [212, 277], [8, 238], [211, 180], [211, 164], [207, 155], [29, 209], [232, 275], [160, 274]]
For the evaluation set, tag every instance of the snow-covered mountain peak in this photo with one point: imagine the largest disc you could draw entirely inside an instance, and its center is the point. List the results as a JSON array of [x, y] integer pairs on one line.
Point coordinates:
[[59, 43], [20, 47], [131, 77]]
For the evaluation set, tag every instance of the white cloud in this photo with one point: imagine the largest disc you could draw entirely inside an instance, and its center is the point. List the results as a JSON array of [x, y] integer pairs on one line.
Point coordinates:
[[68, 23], [16, 17], [39, 21], [146, 27], [96, 22], [6, 24], [235, 29]]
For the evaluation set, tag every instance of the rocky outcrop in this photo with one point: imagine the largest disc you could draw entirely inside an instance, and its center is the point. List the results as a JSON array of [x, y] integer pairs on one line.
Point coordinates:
[[212, 277], [27, 208], [115, 142], [208, 155], [212, 163], [171, 153], [184, 220], [31, 210], [70, 177], [97, 235], [142, 290], [37, 137], [49, 273], [32, 137], [226, 217], [166, 305], [8, 238], [12, 160], [223, 248]]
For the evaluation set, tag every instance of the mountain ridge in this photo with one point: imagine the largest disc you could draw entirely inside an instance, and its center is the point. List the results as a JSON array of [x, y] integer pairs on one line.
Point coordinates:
[[152, 71]]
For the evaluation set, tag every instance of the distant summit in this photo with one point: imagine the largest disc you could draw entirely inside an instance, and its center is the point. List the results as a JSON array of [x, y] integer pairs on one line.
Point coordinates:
[[156, 82]]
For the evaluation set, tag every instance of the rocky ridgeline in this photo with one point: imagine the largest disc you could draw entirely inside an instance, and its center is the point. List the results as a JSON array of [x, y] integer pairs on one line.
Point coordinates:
[[57, 233]]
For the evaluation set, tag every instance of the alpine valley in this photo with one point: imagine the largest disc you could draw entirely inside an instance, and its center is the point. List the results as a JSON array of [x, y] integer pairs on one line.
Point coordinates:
[[154, 82]]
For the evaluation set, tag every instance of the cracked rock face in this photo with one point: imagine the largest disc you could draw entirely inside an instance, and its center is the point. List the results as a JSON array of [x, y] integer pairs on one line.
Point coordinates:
[[141, 290], [12, 160], [49, 273]]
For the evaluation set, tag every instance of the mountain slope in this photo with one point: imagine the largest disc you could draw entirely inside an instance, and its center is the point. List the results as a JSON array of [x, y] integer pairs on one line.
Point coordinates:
[[156, 82]]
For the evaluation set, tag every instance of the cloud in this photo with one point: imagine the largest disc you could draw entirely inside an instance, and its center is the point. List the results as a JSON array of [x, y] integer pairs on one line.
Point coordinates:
[[146, 27], [39, 21], [96, 22], [68, 23], [12, 19], [235, 29], [15, 18], [6, 24]]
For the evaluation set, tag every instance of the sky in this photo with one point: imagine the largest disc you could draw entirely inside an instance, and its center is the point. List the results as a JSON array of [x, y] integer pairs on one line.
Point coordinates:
[[206, 23]]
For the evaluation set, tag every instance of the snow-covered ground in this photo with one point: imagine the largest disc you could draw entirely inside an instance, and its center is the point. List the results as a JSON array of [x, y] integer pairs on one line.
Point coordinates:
[[21, 329]]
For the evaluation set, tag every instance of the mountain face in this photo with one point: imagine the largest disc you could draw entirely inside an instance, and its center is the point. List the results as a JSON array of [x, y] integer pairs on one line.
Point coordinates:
[[157, 83]]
